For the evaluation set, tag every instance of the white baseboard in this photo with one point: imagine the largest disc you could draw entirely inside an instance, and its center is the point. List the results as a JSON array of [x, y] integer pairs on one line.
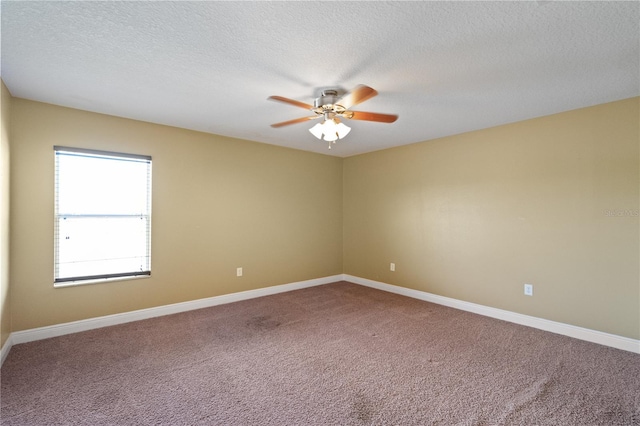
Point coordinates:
[[40, 333], [593, 336], [5, 349]]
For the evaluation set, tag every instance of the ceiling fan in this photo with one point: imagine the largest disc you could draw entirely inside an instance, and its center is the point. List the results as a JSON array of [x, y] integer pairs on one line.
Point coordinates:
[[332, 108]]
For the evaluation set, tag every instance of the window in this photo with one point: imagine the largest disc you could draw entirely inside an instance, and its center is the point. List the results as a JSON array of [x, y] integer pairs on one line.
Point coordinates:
[[102, 215]]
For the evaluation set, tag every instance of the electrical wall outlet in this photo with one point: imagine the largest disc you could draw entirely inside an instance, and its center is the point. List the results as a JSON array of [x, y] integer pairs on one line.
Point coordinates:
[[528, 289], [392, 267], [238, 272]]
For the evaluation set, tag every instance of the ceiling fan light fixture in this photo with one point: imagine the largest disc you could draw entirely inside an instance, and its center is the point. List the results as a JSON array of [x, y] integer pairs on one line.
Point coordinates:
[[329, 129], [317, 130], [342, 130], [332, 130], [331, 137]]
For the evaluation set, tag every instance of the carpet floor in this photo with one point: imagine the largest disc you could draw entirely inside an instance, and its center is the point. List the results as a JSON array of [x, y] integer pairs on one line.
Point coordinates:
[[337, 354]]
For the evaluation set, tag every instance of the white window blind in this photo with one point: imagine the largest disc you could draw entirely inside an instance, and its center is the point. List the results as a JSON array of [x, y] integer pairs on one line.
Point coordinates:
[[102, 215]]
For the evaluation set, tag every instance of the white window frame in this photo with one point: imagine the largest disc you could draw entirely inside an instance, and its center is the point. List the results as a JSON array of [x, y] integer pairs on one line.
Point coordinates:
[[100, 271]]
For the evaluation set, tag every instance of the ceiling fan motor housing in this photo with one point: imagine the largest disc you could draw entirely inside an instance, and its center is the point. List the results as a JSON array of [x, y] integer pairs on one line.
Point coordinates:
[[326, 105], [328, 97]]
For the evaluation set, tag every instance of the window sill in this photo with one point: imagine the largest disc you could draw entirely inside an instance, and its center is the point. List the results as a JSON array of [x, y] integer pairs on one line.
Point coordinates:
[[99, 280]]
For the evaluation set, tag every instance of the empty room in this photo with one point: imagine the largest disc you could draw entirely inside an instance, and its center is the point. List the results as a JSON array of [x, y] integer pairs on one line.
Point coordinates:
[[320, 213]]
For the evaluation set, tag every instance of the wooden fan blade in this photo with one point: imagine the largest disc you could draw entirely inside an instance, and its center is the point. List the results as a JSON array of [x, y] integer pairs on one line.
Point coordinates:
[[371, 116], [290, 102], [297, 120], [356, 96]]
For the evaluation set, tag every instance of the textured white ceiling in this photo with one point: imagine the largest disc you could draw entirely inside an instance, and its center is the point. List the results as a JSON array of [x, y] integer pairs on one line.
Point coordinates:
[[443, 67]]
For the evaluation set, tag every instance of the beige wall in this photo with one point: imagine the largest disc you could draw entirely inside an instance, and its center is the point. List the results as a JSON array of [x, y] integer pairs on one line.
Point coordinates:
[[477, 215], [5, 303], [218, 203], [551, 201]]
